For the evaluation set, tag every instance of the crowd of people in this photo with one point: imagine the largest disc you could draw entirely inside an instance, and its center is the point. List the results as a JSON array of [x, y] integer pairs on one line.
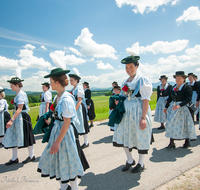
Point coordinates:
[[63, 157]]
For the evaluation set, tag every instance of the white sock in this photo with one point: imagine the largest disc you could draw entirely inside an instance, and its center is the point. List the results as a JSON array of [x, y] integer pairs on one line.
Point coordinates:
[[128, 155], [141, 159], [31, 151], [63, 186], [1, 139], [14, 153], [74, 184], [85, 139]]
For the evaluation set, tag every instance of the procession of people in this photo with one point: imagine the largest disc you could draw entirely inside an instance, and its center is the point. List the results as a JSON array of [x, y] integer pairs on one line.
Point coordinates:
[[63, 157]]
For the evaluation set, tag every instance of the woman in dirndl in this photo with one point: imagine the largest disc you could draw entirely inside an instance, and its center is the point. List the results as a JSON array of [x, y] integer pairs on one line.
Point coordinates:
[[179, 125], [81, 108], [4, 114], [60, 158], [89, 103], [163, 91], [46, 99], [135, 129], [193, 84], [19, 133]]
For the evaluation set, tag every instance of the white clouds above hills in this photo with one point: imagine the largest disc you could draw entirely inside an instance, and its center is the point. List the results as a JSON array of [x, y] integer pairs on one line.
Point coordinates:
[[75, 51], [141, 6], [90, 48], [101, 65], [158, 47], [9, 64], [192, 13]]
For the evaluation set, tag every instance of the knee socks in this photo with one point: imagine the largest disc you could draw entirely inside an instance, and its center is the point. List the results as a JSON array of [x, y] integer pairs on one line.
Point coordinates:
[[141, 159], [85, 139], [63, 186], [14, 153], [31, 151], [128, 155], [74, 184]]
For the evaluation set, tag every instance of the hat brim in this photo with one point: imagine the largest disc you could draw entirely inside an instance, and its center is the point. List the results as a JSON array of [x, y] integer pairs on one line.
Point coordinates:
[[130, 60], [57, 73], [76, 76], [12, 81], [163, 78], [180, 76], [2, 90]]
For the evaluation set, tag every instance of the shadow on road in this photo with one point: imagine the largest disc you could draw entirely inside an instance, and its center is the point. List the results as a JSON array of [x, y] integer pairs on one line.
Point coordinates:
[[112, 180], [38, 137], [104, 140], [157, 131], [103, 123]]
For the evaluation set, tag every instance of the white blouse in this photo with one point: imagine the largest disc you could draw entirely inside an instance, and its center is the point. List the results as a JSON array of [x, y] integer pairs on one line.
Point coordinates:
[[3, 105], [47, 96]]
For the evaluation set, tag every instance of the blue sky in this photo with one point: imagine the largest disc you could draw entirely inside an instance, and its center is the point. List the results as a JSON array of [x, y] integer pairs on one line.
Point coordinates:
[[91, 37]]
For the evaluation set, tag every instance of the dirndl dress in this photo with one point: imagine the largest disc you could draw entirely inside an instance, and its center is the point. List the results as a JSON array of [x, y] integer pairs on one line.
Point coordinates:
[[46, 97], [128, 133], [20, 134], [4, 116], [179, 123], [82, 127], [65, 165]]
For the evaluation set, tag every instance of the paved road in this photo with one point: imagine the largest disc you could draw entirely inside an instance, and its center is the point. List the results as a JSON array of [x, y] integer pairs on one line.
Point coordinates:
[[106, 163]]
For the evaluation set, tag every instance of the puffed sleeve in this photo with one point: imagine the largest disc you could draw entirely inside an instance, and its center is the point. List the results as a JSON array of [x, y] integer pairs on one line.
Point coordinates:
[[68, 107], [21, 98], [47, 96], [145, 88], [2, 105], [80, 92]]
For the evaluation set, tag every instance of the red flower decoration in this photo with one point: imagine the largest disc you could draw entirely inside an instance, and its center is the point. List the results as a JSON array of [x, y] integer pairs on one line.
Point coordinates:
[[40, 95], [125, 88], [71, 92], [176, 89], [162, 89], [12, 101], [52, 107]]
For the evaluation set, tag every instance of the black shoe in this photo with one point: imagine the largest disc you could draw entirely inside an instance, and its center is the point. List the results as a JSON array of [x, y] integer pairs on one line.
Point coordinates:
[[127, 166], [171, 146], [12, 162], [91, 126], [186, 145], [85, 146], [161, 127], [112, 130], [28, 160], [69, 187], [137, 168]]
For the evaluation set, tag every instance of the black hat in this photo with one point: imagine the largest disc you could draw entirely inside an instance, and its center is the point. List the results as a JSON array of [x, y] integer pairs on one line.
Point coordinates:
[[45, 83], [1, 89], [196, 76], [57, 72], [130, 59], [86, 83], [180, 73], [191, 74], [163, 77], [15, 80], [117, 87], [114, 82], [75, 76]]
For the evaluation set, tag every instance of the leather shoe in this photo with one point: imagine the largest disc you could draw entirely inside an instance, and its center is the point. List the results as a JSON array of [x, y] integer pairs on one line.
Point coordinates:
[[29, 160], [186, 145], [137, 168], [85, 146], [171, 146], [127, 166], [161, 127], [91, 126], [12, 161]]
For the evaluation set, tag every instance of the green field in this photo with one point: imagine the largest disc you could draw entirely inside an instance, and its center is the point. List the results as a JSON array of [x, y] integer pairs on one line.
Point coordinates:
[[101, 108]]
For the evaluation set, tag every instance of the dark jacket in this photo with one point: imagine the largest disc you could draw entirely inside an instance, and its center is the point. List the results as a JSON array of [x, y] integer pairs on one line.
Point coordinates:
[[163, 93], [88, 96]]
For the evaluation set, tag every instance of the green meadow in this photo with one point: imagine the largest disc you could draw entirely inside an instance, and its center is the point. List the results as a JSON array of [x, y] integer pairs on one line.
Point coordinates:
[[101, 104]]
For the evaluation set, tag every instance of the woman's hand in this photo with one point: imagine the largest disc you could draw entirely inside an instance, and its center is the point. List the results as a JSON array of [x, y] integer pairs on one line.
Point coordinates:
[[197, 104], [116, 102], [55, 148], [176, 107], [88, 107], [9, 124], [47, 122], [165, 110], [143, 124]]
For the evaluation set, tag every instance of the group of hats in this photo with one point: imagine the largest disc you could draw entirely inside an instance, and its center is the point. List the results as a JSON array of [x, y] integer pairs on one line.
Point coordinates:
[[178, 73]]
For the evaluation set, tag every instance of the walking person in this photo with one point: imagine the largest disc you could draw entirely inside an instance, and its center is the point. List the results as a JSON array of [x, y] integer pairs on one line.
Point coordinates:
[[163, 91], [60, 158], [89, 103], [135, 129], [19, 133], [78, 92], [4, 114], [179, 125]]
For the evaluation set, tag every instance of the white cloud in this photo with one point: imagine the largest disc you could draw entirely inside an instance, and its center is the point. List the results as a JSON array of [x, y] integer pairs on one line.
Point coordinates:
[[43, 47], [142, 6], [9, 64], [101, 65], [158, 47], [76, 71], [163, 10], [75, 51], [18, 73], [61, 60], [29, 46], [90, 48], [3, 80], [192, 13], [175, 2]]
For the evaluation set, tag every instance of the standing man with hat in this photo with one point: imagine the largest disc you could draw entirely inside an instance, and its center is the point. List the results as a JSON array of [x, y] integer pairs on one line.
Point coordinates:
[[163, 91]]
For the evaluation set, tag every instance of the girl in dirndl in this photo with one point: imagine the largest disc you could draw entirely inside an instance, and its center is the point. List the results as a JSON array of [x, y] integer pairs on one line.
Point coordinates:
[[60, 158], [179, 125], [19, 133], [4, 114], [163, 91], [135, 129], [46, 99], [81, 108]]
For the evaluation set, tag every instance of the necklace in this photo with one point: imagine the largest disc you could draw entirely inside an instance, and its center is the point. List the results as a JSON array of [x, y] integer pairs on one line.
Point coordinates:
[[131, 78]]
